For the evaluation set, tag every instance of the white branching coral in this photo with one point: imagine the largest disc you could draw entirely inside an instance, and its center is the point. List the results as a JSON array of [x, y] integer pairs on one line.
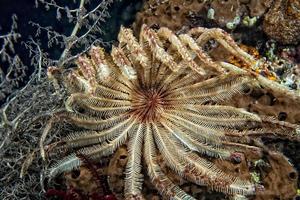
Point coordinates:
[[155, 95]]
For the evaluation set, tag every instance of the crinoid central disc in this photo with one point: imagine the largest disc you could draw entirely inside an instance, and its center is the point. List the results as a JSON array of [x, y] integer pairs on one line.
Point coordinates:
[[147, 104]]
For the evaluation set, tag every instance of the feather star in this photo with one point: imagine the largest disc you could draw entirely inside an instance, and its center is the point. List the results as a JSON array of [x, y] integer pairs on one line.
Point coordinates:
[[154, 94]]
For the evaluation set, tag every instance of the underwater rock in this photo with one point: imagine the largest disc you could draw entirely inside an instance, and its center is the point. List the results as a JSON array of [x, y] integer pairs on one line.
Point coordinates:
[[226, 11], [259, 7], [282, 22], [172, 14], [271, 103], [81, 179], [281, 181]]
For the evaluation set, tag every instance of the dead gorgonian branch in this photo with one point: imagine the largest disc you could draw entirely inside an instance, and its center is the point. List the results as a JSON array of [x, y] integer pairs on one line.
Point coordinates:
[[86, 30], [12, 70], [84, 34], [28, 97]]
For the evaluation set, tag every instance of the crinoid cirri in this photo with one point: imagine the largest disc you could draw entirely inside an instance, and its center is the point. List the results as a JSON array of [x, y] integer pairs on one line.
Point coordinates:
[[161, 95]]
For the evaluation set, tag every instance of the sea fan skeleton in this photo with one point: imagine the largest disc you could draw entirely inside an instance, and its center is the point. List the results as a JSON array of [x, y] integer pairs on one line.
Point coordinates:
[[155, 94]]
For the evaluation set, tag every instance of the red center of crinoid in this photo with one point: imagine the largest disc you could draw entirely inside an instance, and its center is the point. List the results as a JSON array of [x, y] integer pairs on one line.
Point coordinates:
[[147, 105]]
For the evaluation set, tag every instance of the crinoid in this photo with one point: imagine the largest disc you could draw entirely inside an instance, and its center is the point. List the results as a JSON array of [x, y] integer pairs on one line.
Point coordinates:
[[156, 95]]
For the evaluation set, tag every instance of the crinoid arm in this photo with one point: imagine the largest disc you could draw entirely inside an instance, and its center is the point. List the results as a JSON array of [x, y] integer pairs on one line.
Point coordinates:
[[159, 179], [134, 178], [196, 169], [223, 38]]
